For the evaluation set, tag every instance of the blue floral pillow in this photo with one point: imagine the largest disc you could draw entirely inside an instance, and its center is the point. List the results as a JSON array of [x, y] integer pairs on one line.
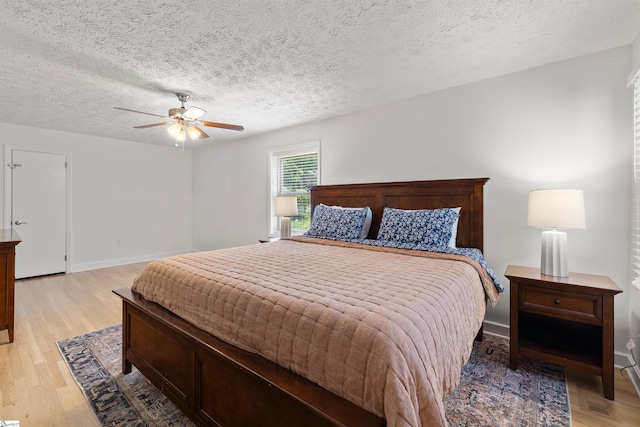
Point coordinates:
[[337, 223], [424, 226]]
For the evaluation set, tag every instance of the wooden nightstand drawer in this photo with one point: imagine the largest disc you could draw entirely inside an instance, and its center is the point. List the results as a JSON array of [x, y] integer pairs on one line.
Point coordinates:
[[562, 304]]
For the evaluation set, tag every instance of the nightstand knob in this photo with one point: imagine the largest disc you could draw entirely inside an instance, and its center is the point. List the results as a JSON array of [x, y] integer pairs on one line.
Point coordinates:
[[556, 301]]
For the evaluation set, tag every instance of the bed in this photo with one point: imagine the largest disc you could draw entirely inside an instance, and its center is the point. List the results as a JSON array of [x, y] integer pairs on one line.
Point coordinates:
[[244, 365]]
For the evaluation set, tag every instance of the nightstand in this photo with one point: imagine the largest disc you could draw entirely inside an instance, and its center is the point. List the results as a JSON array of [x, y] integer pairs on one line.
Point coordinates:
[[564, 320]]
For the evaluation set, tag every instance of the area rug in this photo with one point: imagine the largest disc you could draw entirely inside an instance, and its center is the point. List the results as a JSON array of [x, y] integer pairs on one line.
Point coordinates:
[[490, 394]]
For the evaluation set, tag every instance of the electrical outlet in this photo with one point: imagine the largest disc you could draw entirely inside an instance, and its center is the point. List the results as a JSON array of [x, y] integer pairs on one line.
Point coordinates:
[[630, 344], [117, 242]]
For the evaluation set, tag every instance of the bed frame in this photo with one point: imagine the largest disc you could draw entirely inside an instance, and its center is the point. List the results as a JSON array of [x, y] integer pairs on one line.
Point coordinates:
[[217, 384]]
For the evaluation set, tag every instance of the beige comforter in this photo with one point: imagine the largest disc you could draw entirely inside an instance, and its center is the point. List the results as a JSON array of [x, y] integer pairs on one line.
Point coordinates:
[[387, 329]]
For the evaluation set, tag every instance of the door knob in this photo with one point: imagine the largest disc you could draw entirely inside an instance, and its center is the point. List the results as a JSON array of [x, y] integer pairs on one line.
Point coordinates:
[[19, 222]]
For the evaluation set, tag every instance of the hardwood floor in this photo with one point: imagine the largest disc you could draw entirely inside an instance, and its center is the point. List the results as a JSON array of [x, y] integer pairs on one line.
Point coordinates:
[[37, 389], [590, 408]]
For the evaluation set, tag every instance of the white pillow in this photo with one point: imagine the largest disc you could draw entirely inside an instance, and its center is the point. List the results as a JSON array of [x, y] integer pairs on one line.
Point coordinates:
[[367, 221], [454, 229]]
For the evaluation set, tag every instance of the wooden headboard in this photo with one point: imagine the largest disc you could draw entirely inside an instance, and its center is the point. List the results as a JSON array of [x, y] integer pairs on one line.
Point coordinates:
[[450, 193]]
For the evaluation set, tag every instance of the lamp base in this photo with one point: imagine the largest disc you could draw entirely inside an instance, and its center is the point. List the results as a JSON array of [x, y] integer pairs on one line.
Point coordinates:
[[554, 260], [285, 226]]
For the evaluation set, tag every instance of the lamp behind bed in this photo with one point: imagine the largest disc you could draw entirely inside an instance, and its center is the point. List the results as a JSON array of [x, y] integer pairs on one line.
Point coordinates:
[[286, 207]]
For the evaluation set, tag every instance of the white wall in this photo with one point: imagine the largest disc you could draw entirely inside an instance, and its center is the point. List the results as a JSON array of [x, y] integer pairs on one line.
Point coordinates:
[[634, 297], [137, 193], [567, 124], [635, 55]]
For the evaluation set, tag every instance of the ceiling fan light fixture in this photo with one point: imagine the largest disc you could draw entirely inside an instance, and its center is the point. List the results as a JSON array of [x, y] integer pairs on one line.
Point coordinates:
[[193, 113], [186, 121], [194, 132], [174, 129]]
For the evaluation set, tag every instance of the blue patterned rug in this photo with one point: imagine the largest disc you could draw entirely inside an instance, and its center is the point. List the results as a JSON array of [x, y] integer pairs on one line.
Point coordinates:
[[490, 394]]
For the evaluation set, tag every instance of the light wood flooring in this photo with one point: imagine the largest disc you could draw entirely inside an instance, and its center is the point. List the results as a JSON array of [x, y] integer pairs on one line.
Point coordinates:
[[37, 389]]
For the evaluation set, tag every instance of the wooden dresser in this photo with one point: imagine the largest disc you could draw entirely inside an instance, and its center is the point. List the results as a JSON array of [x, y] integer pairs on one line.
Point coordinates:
[[8, 241], [564, 320]]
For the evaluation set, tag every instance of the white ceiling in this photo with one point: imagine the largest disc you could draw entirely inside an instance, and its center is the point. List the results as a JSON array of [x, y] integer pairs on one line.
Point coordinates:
[[267, 64]]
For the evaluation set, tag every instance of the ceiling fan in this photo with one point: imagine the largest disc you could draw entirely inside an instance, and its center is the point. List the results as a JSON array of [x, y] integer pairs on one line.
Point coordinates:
[[184, 121]]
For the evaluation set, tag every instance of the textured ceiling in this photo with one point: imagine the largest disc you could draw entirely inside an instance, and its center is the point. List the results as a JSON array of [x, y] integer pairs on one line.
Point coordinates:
[[267, 64]]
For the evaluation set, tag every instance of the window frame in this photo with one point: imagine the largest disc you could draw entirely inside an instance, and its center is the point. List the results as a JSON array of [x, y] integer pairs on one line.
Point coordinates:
[[276, 153]]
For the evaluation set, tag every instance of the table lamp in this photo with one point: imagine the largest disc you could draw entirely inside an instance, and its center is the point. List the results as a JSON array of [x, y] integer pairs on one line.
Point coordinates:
[[555, 208], [286, 207]]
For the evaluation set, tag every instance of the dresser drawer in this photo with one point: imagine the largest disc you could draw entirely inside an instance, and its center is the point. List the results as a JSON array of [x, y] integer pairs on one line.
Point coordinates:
[[575, 306]]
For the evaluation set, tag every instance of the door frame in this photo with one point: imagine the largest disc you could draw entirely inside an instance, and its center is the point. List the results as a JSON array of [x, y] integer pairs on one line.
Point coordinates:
[[8, 189]]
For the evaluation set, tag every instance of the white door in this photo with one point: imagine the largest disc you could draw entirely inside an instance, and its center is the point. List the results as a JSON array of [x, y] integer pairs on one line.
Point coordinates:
[[39, 211]]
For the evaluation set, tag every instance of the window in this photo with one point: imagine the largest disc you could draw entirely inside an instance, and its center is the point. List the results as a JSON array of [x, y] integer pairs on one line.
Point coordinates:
[[293, 170]]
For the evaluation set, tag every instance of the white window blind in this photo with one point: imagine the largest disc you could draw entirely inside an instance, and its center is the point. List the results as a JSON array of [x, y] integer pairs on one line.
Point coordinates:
[[293, 171], [635, 197], [297, 174]]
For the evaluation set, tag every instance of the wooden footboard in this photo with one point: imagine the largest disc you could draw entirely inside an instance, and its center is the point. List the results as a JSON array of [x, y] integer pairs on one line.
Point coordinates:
[[216, 384]]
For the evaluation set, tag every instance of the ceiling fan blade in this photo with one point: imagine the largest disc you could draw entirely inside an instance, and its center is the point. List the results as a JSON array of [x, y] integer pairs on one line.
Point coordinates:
[[151, 125], [193, 113], [140, 112], [196, 133], [222, 125]]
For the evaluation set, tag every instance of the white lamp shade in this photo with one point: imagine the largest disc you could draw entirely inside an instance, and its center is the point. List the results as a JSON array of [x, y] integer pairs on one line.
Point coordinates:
[[286, 206], [556, 208]]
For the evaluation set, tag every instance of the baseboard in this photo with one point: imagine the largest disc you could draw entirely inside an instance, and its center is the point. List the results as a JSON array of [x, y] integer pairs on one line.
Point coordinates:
[[634, 377], [123, 261], [497, 329], [620, 359]]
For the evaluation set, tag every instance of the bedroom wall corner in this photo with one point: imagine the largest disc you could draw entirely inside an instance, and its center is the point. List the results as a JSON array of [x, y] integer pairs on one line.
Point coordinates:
[[230, 194], [137, 194]]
